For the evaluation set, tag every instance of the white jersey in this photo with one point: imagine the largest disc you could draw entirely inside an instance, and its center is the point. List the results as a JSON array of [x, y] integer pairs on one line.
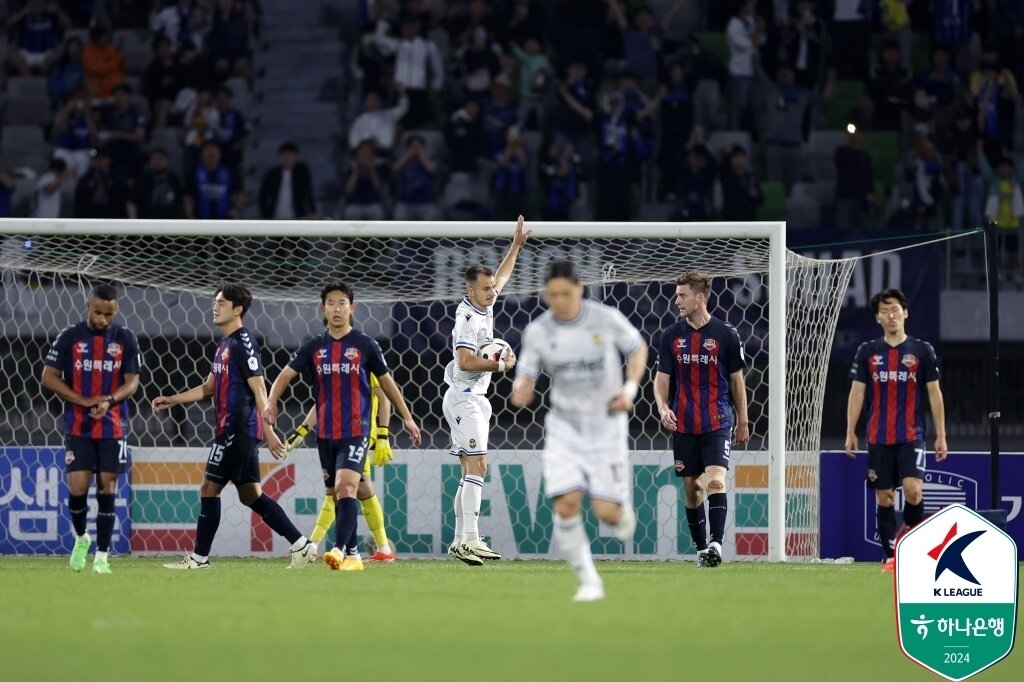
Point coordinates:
[[582, 357], [473, 328]]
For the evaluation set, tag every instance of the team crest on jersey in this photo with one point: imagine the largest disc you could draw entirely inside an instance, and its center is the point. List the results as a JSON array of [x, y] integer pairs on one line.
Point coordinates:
[[69, 457], [679, 465], [877, 360], [82, 347], [596, 338], [352, 354], [710, 344], [472, 442], [225, 354], [114, 350], [909, 361], [321, 354]]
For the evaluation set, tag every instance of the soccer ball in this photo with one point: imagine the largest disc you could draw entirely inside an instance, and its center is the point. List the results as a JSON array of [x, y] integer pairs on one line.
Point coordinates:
[[496, 349]]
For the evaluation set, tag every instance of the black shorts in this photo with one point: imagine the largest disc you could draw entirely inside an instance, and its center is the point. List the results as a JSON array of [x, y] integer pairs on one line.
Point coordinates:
[[694, 452], [892, 463], [344, 453], [107, 455], [234, 458]]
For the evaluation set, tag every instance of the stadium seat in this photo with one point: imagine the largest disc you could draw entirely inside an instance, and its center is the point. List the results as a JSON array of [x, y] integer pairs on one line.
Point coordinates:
[[884, 148], [242, 98], [715, 45], [819, 153], [27, 102], [845, 97], [720, 139], [23, 146], [137, 48], [802, 208], [707, 104], [774, 205]]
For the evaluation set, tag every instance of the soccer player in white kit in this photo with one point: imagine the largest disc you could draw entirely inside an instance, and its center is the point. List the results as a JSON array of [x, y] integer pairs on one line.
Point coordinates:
[[580, 344], [466, 408]]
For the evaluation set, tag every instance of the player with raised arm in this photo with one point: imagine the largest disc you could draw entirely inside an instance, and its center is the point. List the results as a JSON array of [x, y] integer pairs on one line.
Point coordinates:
[[579, 344], [704, 356], [896, 367], [239, 396], [339, 363], [94, 367], [379, 453], [466, 408]]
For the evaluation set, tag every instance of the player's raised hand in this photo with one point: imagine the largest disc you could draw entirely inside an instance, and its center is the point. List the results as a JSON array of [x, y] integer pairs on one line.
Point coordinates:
[[668, 418], [414, 431], [161, 403], [274, 444], [851, 445], [941, 449], [522, 234], [741, 434]]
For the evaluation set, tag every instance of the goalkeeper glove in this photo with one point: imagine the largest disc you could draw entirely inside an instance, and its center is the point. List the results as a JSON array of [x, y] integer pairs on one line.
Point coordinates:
[[296, 438], [382, 446]]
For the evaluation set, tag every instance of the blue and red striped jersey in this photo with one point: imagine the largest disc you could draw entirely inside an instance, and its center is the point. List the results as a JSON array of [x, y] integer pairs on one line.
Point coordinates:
[[95, 363], [896, 378], [339, 370], [234, 404], [700, 362]]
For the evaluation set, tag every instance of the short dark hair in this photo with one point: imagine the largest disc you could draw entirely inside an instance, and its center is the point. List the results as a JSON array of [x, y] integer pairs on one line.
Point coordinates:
[[58, 165], [562, 269], [881, 296], [225, 90], [474, 271], [104, 292], [237, 294], [288, 147], [337, 285], [699, 282]]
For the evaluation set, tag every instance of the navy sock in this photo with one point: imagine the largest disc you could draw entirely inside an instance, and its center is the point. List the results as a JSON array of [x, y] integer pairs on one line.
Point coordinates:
[[352, 547], [886, 518], [913, 514], [346, 515], [696, 519], [206, 527], [274, 516], [79, 508], [104, 520], [718, 509]]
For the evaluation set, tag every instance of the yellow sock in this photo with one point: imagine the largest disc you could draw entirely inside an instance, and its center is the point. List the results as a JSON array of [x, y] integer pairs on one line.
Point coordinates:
[[374, 514], [324, 520]]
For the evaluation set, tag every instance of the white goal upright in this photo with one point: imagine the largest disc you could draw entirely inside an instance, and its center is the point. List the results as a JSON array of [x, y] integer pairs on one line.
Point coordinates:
[[407, 278]]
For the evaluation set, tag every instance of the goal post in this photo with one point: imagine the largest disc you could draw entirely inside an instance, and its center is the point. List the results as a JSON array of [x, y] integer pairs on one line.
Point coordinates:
[[407, 278]]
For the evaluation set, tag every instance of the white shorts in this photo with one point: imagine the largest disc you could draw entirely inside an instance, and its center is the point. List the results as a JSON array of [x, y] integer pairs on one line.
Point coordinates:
[[35, 59], [588, 453], [469, 420]]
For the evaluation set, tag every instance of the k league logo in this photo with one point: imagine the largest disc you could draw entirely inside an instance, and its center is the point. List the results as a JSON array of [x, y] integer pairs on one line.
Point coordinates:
[[956, 593]]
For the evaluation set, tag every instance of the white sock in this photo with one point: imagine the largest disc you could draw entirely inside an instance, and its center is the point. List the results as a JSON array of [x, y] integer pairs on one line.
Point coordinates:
[[575, 544], [472, 493], [199, 558], [100, 556], [299, 544], [626, 527], [458, 514], [83, 536]]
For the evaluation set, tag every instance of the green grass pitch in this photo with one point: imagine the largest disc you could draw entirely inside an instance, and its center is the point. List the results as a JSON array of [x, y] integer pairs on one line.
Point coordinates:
[[250, 619]]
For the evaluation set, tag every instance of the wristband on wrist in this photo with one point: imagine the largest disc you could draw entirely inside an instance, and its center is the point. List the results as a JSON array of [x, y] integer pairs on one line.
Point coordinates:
[[501, 365], [110, 399], [629, 389]]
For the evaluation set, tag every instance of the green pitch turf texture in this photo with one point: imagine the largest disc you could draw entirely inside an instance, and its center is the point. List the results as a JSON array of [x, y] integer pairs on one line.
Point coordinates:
[[251, 619]]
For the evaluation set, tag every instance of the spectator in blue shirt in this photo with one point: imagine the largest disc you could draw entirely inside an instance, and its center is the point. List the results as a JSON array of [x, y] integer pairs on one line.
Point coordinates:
[[232, 131], [499, 114], [510, 181], [76, 131], [560, 177], [212, 192], [414, 174], [124, 129], [67, 74], [38, 26], [364, 187]]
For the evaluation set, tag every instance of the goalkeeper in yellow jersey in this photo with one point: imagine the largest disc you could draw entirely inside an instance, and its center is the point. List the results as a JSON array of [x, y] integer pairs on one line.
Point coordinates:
[[379, 454]]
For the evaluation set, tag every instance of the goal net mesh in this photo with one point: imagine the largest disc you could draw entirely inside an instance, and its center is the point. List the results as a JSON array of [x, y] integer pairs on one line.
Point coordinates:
[[406, 290]]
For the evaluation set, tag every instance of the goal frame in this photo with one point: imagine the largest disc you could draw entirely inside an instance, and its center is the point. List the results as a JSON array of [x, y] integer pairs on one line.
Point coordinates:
[[774, 232]]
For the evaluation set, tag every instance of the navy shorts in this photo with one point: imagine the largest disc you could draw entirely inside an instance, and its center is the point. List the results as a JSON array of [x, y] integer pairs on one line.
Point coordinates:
[[107, 455], [234, 458], [695, 452], [344, 453], [892, 463]]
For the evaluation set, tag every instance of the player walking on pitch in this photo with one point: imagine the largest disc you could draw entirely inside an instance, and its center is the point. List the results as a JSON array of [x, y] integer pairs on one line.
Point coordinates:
[[579, 345], [466, 408], [895, 366], [239, 396], [94, 367], [705, 357], [339, 363]]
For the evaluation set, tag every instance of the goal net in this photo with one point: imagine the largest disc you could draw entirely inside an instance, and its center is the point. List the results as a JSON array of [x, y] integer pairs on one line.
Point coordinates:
[[407, 279]]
